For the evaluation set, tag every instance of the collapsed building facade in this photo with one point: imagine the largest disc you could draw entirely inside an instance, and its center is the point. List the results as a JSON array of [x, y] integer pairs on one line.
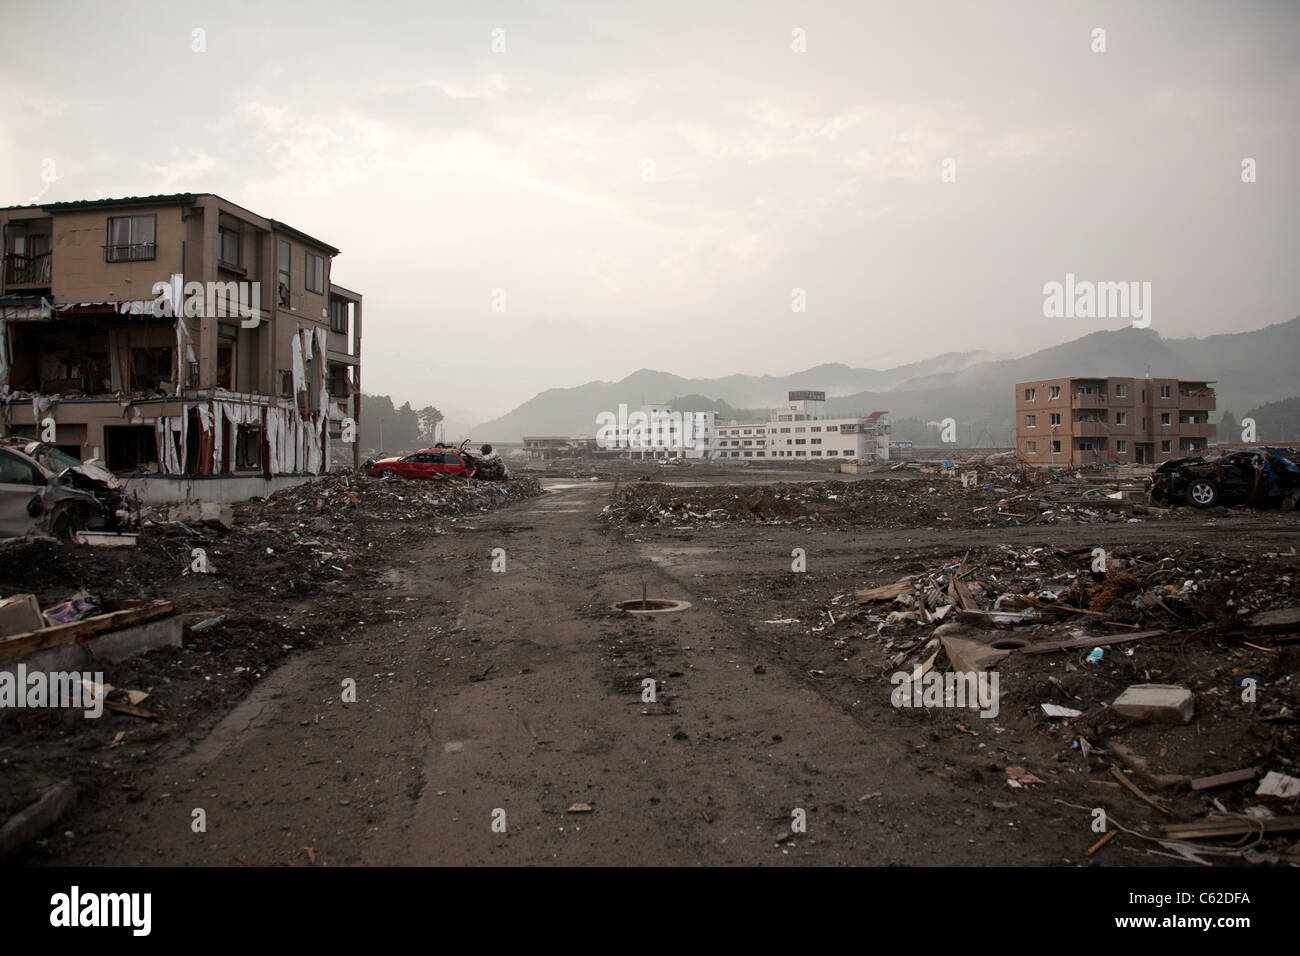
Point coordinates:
[[188, 343]]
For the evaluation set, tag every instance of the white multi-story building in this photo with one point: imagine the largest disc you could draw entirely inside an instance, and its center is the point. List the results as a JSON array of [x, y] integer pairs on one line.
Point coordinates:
[[801, 430], [656, 431]]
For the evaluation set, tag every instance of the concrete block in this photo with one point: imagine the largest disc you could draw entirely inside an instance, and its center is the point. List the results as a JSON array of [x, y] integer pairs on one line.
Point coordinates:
[[1157, 703]]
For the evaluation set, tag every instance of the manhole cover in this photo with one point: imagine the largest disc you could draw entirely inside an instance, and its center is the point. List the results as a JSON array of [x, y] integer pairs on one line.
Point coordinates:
[[650, 606]]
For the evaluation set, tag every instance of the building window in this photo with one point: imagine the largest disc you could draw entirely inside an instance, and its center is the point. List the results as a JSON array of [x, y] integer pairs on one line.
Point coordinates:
[[1167, 445], [815, 428], [1166, 391], [1166, 418], [339, 316], [286, 383], [1054, 418], [801, 428], [248, 447], [1121, 391], [1030, 394], [1056, 447], [131, 238], [816, 441], [1121, 418], [285, 259], [785, 431], [228, 247], [1031, 421], [1031, 446], [315, 273], [1121, 446]]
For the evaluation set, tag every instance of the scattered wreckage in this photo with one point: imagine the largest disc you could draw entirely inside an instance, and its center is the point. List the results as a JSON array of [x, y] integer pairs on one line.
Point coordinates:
[[44, 489], [1259, 477], [441, 461]]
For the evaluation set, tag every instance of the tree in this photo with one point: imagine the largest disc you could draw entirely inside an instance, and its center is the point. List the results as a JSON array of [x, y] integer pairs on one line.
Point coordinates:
[[429, 417]]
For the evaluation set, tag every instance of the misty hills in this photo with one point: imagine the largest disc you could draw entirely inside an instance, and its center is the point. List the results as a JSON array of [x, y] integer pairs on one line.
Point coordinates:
[[977, 389]]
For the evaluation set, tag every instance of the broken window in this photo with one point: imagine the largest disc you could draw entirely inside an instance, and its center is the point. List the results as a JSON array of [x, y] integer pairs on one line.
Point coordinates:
[[130, 447], [228, 254], [315, 273], [1030, 393], [248, 447], [285, 260], [150, 367]]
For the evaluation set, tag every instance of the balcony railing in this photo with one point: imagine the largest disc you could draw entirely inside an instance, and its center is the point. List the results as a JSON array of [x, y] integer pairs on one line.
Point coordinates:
[[1088, 400], [1196, 403], [27, 270], [1089, 429], [130, 251]]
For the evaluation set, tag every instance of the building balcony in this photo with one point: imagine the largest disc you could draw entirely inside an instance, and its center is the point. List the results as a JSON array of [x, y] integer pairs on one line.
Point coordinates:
[[1196, 403], [1089, 429], [27, 272], [1087, 400], [1201, 430]]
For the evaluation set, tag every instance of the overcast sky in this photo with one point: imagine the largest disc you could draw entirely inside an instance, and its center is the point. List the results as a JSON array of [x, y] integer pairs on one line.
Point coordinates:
[[648, 182]]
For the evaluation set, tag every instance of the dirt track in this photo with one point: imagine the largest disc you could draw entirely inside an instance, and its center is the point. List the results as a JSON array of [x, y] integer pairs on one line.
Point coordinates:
[[522, 692]]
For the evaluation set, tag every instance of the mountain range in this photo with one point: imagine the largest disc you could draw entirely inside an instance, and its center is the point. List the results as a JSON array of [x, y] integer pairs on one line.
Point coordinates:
[[975, 388]]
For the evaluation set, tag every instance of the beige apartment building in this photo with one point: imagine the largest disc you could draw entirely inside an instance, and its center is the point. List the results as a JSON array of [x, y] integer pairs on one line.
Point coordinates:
[[177, 337], [1087, 421]]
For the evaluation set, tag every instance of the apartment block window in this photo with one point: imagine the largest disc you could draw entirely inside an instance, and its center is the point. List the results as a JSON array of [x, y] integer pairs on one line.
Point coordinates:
[[131, 238], [1054, 392], [1121, 418], [339, 316], [285, 275], [286, 383], [1031, 421], [1056, 448], [1167, 445], [785, 431], [801, 428], [815, 428], [1054, 418], [832, 428], [228, 247], [1166, 391], [1031, 446], [801, 441], [816, 441], [1166, 418], [1121, 446], [315, 273], [1121, 391], [1030, 394]]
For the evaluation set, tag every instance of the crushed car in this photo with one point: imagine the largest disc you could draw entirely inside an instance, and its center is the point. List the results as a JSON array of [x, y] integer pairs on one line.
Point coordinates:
[[441, 461], [1258, 477], [42, 488]]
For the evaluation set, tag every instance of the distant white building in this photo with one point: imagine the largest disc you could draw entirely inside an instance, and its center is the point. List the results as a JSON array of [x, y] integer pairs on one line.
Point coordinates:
[[656, 432], [802, 430]]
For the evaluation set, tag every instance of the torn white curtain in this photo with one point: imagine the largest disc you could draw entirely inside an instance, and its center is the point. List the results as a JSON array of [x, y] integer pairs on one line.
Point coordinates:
[[171, 461], [299, 372]]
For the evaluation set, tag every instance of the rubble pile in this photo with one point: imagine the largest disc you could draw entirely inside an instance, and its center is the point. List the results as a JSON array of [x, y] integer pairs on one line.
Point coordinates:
[[1007, 499], [1167, 673]]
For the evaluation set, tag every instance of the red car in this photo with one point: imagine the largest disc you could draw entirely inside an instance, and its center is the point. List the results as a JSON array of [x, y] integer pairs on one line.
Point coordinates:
[[425, 463]]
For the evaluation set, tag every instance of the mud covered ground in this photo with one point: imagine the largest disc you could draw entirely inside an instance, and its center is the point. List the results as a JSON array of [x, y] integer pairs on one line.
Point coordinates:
[[520, 690]]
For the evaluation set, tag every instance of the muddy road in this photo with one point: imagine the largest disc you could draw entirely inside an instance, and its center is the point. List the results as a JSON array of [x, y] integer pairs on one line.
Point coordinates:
[[490, 702]]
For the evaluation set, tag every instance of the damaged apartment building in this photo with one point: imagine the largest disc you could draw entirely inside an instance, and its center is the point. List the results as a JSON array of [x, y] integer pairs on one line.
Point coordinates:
[[188, 343]]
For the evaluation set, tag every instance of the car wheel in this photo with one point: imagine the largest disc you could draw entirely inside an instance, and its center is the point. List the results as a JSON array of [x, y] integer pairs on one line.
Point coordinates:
[[1202, 493], [388, 473]]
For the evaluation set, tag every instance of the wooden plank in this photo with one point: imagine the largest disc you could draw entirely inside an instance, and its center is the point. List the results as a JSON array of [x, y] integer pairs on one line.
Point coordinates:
[[1225, 779], [959, 594], [886, 592], [1103, 641], [1230, 827], [134, 612], [1133, 789]]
